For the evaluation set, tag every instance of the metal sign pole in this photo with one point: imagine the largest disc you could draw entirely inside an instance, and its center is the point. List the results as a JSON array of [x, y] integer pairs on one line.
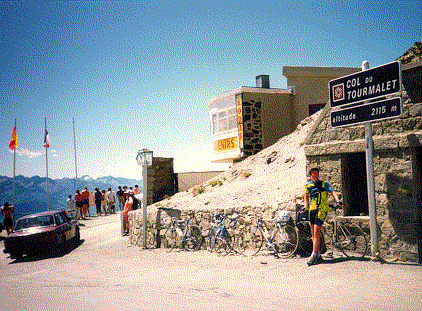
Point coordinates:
[[369, 151]]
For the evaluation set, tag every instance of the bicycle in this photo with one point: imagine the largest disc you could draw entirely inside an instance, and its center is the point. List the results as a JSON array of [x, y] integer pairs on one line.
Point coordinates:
[[219, 238], [283, 239], [305, 236], [346, 237], [182, 232]]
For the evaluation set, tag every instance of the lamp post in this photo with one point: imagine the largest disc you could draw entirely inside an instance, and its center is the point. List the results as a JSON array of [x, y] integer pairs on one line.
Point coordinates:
[[144, 158]]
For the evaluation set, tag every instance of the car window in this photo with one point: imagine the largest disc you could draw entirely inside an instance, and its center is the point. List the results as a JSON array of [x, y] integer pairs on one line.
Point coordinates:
[[60, 219], [66, 218], [45, 221], [27, 223], [36, 221]]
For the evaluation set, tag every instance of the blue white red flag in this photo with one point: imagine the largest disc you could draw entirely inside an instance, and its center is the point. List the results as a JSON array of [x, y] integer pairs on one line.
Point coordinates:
[[46, 140]]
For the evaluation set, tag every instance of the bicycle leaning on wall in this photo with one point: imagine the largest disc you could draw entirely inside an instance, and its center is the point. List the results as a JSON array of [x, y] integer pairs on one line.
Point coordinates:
[[219, 238], [183, 235], [282, 240], [344, 236]]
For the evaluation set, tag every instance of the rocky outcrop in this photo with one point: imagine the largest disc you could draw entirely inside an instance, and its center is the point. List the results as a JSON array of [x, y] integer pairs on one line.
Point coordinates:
[[414, 54]]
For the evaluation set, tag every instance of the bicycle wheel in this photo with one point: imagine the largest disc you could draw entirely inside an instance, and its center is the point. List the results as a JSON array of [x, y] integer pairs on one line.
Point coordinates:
[[285, 241], [249, 241], [351, 240], [170, 239], [223, 243], [193, 240], [210, 240]]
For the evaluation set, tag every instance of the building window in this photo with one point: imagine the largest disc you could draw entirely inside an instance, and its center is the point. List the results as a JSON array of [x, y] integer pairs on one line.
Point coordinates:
[[223, 121]]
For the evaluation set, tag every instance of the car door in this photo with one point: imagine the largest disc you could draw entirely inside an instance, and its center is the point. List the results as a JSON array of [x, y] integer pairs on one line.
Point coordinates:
[[64, 227]]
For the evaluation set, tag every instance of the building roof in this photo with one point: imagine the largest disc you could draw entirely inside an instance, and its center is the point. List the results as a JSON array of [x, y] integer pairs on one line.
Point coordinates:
[[250, 89]]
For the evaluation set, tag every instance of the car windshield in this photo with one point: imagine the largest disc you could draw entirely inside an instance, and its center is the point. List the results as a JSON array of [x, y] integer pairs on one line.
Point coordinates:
[[38, 221]]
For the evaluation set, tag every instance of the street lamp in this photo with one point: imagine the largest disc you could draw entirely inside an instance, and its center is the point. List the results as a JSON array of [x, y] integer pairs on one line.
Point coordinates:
[[144, 158]]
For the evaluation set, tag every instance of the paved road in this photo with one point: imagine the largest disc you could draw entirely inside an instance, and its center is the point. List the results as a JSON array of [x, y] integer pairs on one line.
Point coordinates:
[[106, 273]]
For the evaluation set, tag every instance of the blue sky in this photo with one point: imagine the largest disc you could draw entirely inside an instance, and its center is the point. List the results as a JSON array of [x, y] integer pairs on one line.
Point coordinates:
[[139, 74]]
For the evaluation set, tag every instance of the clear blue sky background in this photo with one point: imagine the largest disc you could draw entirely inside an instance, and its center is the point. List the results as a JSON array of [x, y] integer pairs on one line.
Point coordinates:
[[139, 74]]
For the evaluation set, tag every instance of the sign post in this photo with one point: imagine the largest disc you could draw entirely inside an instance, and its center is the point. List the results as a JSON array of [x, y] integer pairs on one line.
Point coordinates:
[[358, 89], [144, 158], [369, 153]]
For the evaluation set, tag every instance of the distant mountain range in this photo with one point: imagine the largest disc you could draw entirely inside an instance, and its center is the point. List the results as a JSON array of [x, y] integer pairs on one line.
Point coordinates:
[[31, 195]]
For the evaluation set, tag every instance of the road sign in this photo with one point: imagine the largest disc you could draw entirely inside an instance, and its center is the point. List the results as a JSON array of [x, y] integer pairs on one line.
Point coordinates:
[[376, 111], [369, 84]]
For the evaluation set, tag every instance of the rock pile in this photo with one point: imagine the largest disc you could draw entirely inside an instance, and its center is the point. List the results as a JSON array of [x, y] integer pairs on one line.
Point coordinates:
[[270, 179]]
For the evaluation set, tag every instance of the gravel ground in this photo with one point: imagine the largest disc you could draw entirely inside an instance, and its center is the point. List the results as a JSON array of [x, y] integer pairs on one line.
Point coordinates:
[[105, 272]]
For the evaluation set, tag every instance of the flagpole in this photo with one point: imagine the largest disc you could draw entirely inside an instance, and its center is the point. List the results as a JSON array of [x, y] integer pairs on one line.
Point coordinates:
[[74, 147], [46, 160], [14, 171]]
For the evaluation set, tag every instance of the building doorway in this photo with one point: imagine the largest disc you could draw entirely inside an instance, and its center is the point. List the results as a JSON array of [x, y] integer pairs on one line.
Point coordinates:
[[354, 185]]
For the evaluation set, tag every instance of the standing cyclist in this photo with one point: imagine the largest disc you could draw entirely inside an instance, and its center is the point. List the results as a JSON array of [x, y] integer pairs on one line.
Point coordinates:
[[316, 195]]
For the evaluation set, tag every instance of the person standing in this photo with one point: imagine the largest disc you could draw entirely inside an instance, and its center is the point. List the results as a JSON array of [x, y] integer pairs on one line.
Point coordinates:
[[79, 204], [316, 202], [121, 198], [136, 190], [85, 202], [97, 196], [126, 210], [104, 202], [70, 203], [7, 211], [126, 193], [111, 200]]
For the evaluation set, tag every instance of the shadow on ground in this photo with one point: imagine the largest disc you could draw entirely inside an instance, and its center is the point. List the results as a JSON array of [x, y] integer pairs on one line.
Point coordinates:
[[46, 254]]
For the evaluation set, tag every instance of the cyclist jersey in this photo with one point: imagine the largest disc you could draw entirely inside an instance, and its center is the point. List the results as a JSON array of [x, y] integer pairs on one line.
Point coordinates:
[[318, 194]]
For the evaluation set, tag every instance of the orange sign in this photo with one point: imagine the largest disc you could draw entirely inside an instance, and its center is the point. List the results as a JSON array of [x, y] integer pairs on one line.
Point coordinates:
[[225, 144], [239, 119], [240, 128], [239, 109]]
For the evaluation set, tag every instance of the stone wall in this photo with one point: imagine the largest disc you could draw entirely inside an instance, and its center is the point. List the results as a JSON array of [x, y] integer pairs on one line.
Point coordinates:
[[252, 127], [159, 218]]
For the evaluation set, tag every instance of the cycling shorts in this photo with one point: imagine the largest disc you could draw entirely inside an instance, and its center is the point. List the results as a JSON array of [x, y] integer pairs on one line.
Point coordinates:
[[317, 217]]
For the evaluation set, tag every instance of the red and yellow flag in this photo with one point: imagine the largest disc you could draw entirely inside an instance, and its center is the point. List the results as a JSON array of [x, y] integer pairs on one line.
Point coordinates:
[[14, 140]]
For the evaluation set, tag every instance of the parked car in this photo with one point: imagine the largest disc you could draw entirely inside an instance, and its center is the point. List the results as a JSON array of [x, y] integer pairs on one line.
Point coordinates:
[[41, 232]]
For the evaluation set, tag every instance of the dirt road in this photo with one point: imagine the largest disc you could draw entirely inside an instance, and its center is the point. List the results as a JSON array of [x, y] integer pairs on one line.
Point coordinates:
[[106, 273]]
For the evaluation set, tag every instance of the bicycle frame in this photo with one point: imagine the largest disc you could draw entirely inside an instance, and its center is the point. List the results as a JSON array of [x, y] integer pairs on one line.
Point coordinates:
[[349, 238], [338, 225], [220, 233], [269, 238], [181, 233]]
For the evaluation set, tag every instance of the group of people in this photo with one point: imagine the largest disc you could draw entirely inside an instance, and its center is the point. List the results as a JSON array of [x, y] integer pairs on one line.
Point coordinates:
[[105, 201]]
